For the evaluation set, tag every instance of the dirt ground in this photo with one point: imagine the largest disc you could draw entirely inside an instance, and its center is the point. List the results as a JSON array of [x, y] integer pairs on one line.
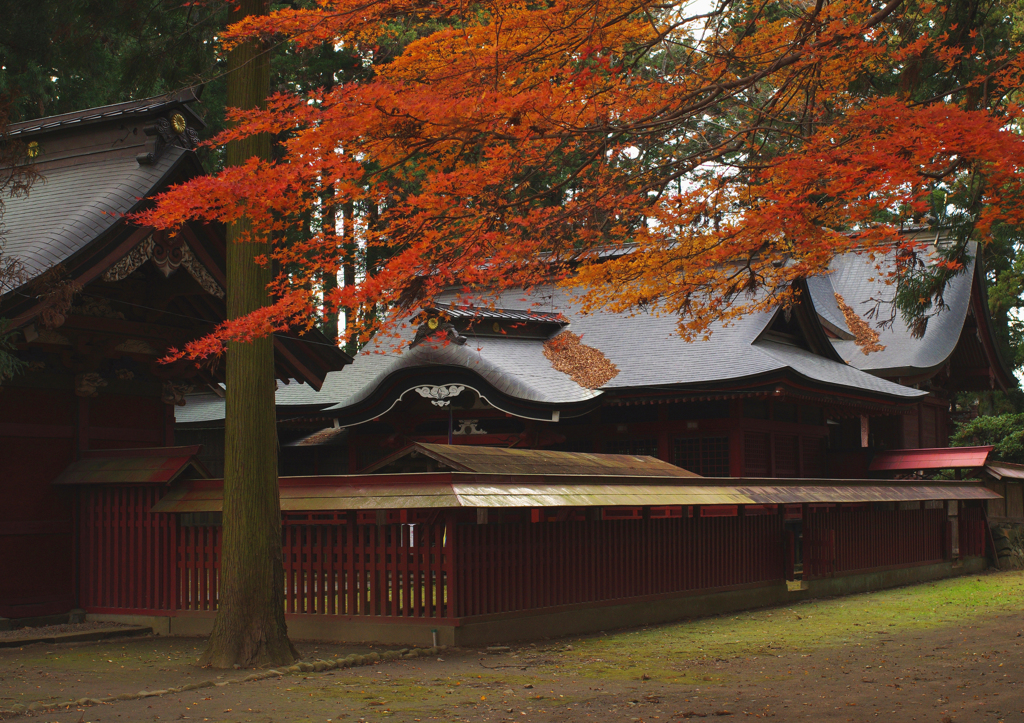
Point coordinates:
[[951, 651]]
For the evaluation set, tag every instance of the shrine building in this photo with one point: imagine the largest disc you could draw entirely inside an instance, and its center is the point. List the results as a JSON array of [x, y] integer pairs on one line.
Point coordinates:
[[520, 469], [92, 388], [785, 393]]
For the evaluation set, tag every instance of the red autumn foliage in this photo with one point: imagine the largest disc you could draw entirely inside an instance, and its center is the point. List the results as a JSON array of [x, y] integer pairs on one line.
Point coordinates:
[[733, 149]]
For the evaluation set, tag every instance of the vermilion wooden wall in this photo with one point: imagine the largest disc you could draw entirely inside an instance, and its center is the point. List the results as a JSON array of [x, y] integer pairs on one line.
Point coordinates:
[[447, 567], [41, 432], [36, 520]]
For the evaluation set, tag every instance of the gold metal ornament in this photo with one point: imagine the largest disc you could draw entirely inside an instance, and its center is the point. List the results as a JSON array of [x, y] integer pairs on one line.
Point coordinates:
[[178, 123], [432, 323], [33, 149]]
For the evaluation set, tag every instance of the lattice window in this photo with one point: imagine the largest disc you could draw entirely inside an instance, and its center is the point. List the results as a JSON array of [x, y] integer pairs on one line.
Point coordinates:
[[639, 447], [785, 455], [755, 455], [707, 456], [813, 456]]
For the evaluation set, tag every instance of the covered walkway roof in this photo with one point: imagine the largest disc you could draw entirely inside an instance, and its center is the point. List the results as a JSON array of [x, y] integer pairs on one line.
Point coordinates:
[[467, 490], [485, 477]]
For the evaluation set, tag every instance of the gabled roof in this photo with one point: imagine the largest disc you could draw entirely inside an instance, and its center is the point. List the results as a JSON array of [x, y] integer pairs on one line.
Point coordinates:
[[155, 465], [71, 206], [93, 167], [117, 111], [98, 165], [650, 355], [646, 349], [497, 460]]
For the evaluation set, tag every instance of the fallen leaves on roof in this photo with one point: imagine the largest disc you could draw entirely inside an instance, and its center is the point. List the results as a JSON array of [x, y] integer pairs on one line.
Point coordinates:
[[863, 335], [585, 365]]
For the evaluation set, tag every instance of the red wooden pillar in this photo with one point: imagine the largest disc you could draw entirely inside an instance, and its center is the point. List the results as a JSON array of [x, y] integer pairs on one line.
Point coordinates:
[[82, 431], [736, 438], [448, 565]]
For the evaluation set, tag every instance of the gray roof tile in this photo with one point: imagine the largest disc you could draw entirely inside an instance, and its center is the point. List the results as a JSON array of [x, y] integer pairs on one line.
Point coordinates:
[[857, 280], [645, 347], [70, 205]]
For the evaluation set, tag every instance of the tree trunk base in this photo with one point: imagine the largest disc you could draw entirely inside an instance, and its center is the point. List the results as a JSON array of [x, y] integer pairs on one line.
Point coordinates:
[[247, 643]]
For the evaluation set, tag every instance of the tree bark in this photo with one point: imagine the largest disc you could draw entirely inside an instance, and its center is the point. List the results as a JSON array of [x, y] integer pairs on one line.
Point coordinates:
[[250, 629]]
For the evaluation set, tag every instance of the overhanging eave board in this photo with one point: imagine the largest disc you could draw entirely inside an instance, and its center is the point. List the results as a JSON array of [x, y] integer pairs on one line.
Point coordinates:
[[500, 493], [938, 458]]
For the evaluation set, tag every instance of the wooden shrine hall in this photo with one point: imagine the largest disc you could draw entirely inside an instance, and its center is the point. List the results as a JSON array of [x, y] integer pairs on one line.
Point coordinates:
[[101, 302], [566, 503], [785, 393]]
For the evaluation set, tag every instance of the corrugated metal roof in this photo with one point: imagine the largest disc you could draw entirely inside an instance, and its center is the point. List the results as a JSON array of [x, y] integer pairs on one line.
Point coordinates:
[[1005, 470], [458, 490], [498, 460], [933, 458], [153, 465]]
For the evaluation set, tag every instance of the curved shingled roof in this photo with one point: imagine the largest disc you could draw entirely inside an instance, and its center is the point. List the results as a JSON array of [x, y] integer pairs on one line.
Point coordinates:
[[646, 349], [857, 280]]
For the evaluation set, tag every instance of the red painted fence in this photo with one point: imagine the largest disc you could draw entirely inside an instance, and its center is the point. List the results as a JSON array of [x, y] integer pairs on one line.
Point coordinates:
[[345, 564], [127, 553], [512, 567], [848, 539], [134, 561], [343, 568]]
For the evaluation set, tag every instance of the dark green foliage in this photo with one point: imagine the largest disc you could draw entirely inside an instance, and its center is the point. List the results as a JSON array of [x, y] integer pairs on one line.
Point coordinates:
[[64, 55], [1004, 431]]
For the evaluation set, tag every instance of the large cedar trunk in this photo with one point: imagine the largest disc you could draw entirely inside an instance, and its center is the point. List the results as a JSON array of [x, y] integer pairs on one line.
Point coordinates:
[[250, 629]]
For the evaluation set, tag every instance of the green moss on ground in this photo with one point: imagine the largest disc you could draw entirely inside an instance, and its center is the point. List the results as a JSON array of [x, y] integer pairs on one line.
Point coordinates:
[[671, 651]]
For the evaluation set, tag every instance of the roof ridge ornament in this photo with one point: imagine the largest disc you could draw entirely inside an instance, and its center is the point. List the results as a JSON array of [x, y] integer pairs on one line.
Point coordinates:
[[172, 130], [441, 396], [433, 326]]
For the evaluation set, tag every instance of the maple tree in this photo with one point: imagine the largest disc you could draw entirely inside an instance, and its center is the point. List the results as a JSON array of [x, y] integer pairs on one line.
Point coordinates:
[[734, 147]]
